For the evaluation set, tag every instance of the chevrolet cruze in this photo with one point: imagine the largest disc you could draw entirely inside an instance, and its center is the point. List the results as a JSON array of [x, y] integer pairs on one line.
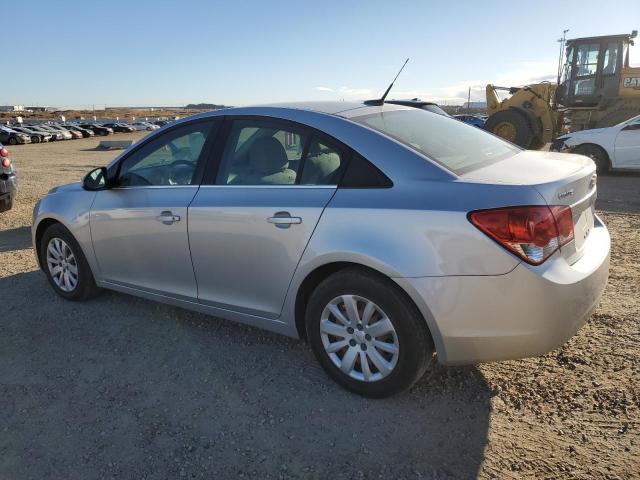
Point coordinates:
[[384, 235]]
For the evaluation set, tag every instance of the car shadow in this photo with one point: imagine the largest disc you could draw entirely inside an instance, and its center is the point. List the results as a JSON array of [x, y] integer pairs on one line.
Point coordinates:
[[120, 386], [619, 192], [15, 239]]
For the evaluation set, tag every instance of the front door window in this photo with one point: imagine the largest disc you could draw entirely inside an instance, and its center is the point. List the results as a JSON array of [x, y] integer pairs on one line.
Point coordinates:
[[170, 159]]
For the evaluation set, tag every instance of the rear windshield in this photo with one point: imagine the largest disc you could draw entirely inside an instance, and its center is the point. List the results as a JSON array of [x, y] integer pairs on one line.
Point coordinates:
[[456, 146]]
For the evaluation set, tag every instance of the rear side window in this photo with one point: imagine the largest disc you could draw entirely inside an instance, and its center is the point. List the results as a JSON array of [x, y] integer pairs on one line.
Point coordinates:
[[361, 173], [322, 162], [262, 152], [456, 146]]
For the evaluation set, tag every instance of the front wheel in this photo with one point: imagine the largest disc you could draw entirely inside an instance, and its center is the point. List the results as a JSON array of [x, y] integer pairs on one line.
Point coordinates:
[[65, 265], [12, 141], [366, 334], [595, 153], [512, 126]]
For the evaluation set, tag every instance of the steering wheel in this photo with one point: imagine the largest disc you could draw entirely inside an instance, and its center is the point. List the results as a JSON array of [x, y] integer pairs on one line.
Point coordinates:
[[180, 177]]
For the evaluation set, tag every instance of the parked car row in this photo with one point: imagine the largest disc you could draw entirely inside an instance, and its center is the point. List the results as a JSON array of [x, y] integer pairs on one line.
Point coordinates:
[[48, 132]]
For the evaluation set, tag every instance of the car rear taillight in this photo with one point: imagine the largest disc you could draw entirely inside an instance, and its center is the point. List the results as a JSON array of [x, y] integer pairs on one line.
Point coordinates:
[[3, 152], [532, 233], [6, 163]]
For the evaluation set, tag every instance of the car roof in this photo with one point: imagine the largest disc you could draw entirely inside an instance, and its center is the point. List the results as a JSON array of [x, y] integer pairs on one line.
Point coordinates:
[[337, 109], [334, 119]]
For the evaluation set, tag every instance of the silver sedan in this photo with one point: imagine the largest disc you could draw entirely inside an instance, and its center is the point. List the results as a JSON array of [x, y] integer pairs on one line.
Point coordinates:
[[386, 236]]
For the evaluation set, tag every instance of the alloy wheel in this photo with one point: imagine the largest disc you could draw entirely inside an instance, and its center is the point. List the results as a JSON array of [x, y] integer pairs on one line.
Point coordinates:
[[62, 264], [359, 338]]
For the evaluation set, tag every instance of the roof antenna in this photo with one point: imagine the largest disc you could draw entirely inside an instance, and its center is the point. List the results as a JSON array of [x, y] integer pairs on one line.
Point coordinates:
[[380, 101]]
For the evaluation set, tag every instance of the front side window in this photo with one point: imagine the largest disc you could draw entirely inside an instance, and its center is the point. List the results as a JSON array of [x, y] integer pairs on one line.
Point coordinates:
[[451, 143], [587, 59], [169, 159], [261, 152]]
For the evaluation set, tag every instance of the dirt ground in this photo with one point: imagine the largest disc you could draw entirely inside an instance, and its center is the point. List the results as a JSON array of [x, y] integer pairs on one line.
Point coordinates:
[[121, 387]]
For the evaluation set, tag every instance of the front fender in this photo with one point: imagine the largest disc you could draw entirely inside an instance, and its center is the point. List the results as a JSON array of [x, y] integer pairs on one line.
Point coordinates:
[[71, 208]]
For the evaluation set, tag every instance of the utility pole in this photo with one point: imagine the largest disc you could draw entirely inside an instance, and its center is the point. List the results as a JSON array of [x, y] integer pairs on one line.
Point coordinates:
[[469, 101], [562, 42]]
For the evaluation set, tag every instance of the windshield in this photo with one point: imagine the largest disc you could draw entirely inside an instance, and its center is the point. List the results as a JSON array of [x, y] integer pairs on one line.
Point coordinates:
[[454, 145], [629, 120]]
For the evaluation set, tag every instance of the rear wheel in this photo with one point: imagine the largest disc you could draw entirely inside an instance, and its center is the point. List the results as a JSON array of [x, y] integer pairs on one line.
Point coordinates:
[[595, 153], [65, 265], [35, 139], [366, 335], [512, 126], [12, 141]]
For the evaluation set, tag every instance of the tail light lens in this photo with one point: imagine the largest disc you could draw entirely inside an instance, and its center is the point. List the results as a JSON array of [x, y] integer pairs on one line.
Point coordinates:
[[532, 233], [6, 163], [3, 152]]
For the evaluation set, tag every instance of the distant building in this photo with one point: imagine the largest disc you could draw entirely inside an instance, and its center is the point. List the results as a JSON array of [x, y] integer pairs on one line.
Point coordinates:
[[11, 108], [42, 109]]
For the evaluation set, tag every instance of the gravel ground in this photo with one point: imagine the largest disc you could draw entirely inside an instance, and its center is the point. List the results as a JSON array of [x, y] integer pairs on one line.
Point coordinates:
[[121, 387]]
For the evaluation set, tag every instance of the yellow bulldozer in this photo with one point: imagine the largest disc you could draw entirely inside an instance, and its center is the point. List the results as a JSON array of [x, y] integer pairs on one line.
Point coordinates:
[[597, 89]]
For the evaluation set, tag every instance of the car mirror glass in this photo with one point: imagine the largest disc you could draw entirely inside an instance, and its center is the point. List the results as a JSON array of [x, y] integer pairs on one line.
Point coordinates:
[[96, 179]]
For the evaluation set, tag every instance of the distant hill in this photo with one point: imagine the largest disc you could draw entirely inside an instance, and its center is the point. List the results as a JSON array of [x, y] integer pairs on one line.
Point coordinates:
[[205, 106]]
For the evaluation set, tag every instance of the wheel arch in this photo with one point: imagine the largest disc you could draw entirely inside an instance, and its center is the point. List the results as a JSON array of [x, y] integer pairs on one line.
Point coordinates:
[[593, 145], [317, 275], [41, 227]]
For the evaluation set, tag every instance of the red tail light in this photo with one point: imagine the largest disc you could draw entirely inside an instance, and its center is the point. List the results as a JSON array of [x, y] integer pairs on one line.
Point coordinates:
[[3, 152], [532, 233]]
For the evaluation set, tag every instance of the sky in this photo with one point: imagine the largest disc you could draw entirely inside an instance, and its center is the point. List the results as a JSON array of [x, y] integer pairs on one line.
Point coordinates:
[[174, 52]]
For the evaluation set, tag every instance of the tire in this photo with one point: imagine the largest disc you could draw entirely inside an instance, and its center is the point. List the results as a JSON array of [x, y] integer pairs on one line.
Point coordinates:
[[12, 141], [512, 126], [35, 139], [595, 153], [410, 336], [85, 286]]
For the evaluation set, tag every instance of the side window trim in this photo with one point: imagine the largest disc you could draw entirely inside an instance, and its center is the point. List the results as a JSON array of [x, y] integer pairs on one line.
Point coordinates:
[[205, 153]]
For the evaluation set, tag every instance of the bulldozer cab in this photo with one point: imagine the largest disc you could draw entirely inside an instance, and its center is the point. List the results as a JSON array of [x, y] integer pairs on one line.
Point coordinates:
[[592, 69]]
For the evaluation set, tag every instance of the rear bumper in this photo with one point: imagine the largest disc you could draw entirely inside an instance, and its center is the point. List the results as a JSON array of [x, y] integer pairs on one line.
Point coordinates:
[[7, 192], [526, 312]]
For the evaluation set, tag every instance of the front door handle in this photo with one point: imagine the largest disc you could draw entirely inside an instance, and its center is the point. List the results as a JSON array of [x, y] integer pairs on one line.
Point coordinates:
[[284, 220], [167, 218]]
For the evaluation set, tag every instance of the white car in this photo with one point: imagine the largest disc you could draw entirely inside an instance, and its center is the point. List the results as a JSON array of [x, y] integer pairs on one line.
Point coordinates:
[[615, 148], [144, 126]]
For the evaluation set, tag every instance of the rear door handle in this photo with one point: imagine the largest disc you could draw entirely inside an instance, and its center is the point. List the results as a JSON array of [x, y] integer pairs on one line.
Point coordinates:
[[167, 218], [284, 220]]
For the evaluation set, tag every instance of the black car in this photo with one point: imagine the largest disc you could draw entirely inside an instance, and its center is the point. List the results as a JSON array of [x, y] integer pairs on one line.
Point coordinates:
[[84, 131], [10, 136], [97, 129], [8, 184], [119, 127], [36, 137]]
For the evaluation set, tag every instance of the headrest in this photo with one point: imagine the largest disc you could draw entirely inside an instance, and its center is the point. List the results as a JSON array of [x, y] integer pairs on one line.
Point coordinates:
[[267, 156]]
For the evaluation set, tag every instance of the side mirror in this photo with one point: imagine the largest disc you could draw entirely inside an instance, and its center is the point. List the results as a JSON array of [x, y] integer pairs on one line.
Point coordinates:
[[95, 180]]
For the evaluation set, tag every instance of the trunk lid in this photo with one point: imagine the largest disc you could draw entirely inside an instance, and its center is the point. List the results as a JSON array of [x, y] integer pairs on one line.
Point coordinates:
[[560, 178]]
